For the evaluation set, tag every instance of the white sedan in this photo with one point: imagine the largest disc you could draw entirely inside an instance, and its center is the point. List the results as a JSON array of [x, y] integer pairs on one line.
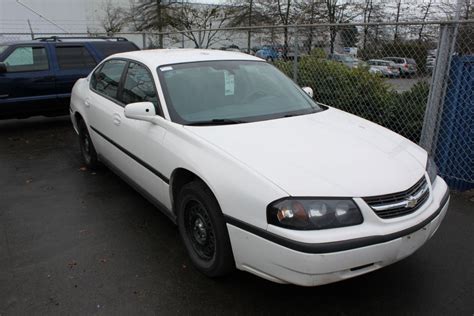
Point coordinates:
[[255, 173]]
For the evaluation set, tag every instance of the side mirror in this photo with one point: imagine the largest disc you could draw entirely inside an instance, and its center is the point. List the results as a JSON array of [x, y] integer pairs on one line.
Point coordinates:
[[309, 91], [3, 68], [142, 111]]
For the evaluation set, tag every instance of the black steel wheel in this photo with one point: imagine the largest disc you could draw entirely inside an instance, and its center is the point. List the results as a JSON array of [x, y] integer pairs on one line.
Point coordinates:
[[89, 155], [203, 230]]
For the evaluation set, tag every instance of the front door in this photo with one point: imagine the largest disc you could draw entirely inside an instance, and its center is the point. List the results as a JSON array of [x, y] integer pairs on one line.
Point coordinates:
[[28, 86]]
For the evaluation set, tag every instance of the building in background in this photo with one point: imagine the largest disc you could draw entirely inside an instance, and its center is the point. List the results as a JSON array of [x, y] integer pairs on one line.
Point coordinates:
[[53, 16]]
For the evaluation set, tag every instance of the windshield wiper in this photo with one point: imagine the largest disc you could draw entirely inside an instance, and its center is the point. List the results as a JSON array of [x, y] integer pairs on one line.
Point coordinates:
[[216, 122], [298, 114]]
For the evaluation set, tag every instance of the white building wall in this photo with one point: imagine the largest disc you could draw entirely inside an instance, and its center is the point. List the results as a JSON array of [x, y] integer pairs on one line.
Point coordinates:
[[75, 16]]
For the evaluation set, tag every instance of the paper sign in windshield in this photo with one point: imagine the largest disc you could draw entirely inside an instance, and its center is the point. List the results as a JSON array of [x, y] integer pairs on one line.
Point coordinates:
[[229, 83]]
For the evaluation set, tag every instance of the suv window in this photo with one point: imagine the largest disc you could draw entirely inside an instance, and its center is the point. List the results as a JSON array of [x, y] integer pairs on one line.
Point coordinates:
[[109, 48], [3, 48], [106, 79], [74, 57], [27, 58], [139, 86]]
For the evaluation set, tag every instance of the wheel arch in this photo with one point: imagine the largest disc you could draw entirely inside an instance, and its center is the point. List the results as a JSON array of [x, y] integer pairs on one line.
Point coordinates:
[[180, 177], [76, 118]]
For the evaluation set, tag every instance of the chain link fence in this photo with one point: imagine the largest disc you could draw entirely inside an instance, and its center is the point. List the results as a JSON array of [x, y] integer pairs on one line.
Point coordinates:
[[416, 79]]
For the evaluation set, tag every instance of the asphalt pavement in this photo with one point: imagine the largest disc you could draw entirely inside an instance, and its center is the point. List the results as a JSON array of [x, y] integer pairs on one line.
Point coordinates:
[[78, 242]]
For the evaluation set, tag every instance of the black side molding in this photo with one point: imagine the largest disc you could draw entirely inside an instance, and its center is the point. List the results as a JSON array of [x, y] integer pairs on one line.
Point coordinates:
[[336, 246], [138, 160]]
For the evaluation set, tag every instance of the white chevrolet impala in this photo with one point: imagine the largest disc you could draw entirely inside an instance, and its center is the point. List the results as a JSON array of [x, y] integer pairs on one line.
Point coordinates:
[[256, 175]]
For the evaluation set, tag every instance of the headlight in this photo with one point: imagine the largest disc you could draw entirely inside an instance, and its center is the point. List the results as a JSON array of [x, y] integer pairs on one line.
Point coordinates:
[[312, 214], [431, 169]]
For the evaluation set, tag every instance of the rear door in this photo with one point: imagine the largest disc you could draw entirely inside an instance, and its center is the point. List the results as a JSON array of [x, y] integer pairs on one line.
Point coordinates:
[[112, 133], [28, 83], [74, 61]]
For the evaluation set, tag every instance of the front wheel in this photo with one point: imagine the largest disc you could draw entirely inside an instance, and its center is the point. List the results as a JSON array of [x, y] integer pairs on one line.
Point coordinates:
[[203, 230]]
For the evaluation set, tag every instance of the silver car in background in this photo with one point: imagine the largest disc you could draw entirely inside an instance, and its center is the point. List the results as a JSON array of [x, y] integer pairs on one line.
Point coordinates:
[[383, 68], [407, 66]]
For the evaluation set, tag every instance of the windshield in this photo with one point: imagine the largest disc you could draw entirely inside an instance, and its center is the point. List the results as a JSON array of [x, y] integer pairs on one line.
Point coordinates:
[[3, 48], [241, 91]]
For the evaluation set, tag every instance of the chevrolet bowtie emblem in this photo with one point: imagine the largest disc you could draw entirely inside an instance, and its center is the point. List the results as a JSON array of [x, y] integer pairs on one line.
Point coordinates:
[[411, 202]]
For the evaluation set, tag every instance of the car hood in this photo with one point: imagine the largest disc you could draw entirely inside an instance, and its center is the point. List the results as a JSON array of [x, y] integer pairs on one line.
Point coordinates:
[[329, 153]]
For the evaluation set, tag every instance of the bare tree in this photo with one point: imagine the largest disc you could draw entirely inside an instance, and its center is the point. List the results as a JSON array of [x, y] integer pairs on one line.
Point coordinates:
[[368, 9], [151, 15], [250, 13], [338, 12], [200, 22], [114, 18], [426, 11]]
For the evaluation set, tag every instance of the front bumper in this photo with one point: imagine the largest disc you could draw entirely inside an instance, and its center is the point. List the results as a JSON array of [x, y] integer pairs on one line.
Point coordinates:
[[275, 261]]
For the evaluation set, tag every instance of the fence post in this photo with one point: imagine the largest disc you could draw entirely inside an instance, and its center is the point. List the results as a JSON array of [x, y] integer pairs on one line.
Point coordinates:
[[144, 40], [439, 81], [295, 56]]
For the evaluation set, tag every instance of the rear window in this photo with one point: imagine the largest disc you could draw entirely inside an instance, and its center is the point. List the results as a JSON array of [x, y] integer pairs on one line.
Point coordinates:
[[74, 57], [110, 48]]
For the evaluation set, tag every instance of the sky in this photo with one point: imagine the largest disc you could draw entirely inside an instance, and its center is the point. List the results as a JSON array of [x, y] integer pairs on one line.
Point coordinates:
[[70, 15]]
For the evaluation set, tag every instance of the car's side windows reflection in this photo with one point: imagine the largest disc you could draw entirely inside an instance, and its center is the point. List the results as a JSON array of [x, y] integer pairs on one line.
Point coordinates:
[[106, 79], [138, 86]]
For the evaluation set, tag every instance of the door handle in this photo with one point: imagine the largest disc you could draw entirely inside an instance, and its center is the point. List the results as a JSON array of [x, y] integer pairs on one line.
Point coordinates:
[[117, 119]]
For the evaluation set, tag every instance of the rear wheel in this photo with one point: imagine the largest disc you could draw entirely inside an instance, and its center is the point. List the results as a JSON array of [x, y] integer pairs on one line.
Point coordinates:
[[89, 155], [203, 230]]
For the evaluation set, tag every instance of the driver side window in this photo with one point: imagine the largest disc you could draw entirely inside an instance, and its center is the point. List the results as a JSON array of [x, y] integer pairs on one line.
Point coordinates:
[[139, 86], [106, 79]]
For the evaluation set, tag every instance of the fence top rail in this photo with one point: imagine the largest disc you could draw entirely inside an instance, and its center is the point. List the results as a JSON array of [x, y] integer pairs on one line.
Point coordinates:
[[249, 28]]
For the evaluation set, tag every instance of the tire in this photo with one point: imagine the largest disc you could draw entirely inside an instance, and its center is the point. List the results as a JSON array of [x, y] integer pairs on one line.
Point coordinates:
[[88, 153], [203, 230], [270, 59]]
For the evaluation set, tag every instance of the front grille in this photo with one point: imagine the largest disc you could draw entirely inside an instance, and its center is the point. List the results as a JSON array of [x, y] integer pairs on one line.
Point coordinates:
[[401, 203]]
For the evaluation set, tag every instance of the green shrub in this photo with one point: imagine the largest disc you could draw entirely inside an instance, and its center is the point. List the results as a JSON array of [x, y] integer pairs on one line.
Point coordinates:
[[361, 93]]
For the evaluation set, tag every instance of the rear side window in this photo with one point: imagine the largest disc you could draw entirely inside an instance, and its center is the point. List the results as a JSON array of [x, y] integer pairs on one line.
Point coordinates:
[[74, 57], [3, 48], [109, 48], [106, 79], [139, 86], [27, 58]]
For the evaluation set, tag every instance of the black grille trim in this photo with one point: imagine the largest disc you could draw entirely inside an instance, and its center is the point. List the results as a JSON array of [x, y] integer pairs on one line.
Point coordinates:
[[399, 197]]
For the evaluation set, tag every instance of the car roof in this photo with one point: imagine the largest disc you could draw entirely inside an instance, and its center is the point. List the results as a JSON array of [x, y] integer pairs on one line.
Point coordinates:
[[64, 41], [385, 61], [159, 57]]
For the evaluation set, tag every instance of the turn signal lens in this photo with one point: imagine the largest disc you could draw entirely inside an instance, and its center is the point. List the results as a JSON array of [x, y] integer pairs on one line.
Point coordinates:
[[311, 214]]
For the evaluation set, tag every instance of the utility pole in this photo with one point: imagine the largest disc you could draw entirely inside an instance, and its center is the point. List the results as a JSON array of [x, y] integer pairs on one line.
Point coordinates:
[[249, 35], [184, 19], [31, 30]]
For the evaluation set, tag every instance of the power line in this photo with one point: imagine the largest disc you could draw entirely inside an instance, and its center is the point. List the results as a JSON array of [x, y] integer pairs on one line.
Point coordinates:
[[41, 16]]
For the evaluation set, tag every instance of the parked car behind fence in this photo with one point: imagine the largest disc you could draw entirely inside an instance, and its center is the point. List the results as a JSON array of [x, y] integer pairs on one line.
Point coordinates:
[[383, 67], [407, 66], [268, 53], [347, 60]]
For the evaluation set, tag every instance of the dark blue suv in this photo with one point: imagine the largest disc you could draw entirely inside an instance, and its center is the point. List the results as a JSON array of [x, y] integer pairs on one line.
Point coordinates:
[[37, 76]]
